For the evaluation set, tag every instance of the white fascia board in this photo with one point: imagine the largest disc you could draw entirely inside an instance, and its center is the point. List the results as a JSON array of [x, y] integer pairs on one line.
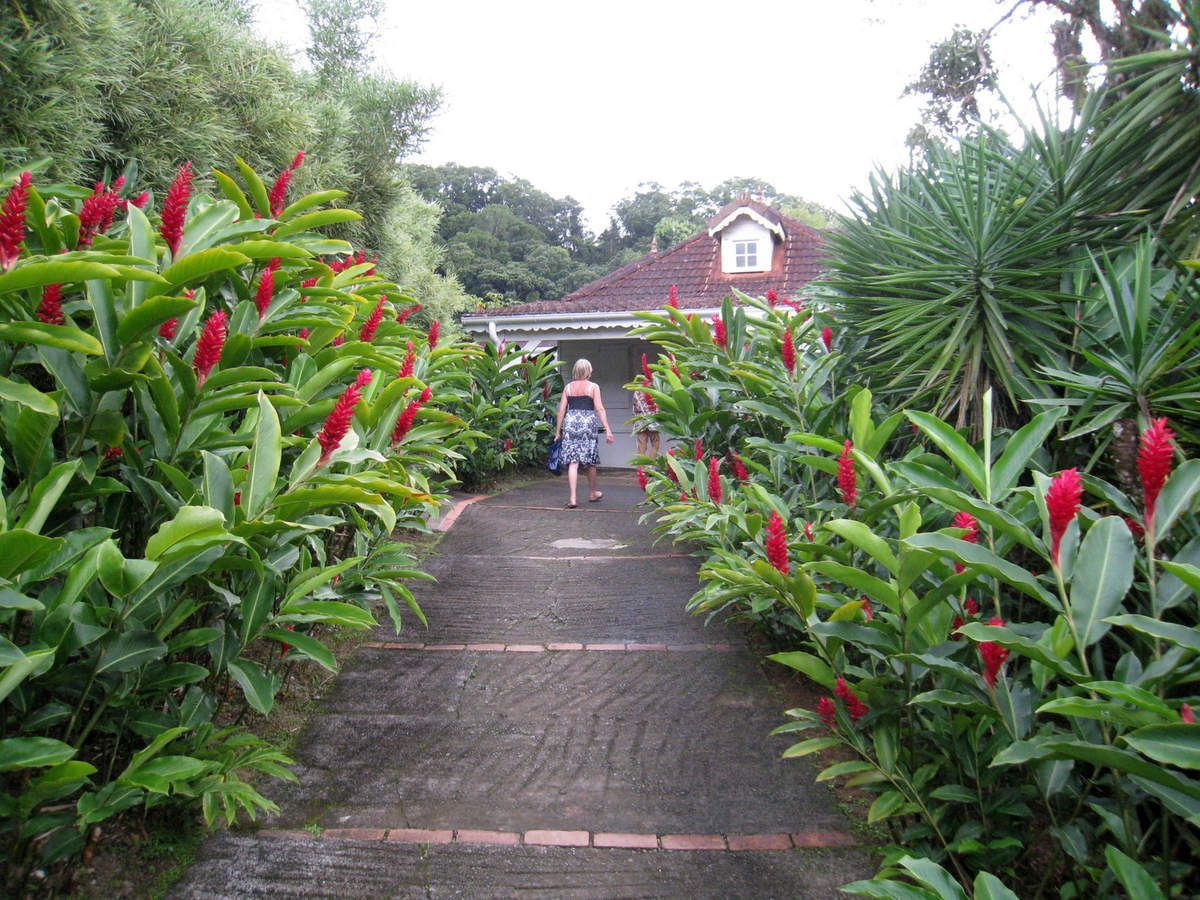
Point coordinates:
[[558, 326], [766, 223]]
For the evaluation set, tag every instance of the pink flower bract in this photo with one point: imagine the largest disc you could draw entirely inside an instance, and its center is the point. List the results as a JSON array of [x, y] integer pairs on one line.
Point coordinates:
[[828, 712], [847, 478], [787, 351], [367, 332], [714, 480], [855, 707], [1154, 464], [209, 345], [175, 208], [337, 423], [776, 543], [50, 309], [1062, 503], [993, 655]]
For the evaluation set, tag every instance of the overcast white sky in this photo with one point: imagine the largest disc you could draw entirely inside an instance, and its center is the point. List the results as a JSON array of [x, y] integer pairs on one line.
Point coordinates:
[[589, 100]]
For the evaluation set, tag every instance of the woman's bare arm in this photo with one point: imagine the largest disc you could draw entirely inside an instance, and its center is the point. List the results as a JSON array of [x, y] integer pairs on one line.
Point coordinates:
[[603, 415], [562, 411]]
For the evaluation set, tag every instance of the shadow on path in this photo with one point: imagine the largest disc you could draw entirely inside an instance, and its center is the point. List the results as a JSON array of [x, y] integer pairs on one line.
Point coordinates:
[[562, 729]]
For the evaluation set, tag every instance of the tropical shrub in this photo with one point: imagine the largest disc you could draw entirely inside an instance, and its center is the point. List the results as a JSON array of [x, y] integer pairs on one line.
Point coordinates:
[[1001, 659], [211, 422]]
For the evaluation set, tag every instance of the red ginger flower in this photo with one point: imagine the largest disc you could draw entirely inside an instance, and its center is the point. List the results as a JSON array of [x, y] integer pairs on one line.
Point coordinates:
[[166, 330], [337, 423], [673, 297], [808, 532], [847, 479], [507, 444], [788, 351], [993, 655], [141, 199], [367, 332], [1062, 502], [967, 521], [1154, 464], [50, 309], [405, 420], [718, 331], [971, 607], [279, 188], [113, 453], [827, 338], [777, 549], [426, 395], [653, 407], [671, 472], [209, 345], [433, 334], [304, 334], [854, 706], [410, 361], [96, 213], [12, 221], [402, 316], [674, 368], [714, 480], [643, 481], [865, 603], [1186, 715], [338, 340], [646, 373], [828, 712], [698, 450], [265, 293], [175, 208], [772, 297], [954, 626], [739, 469]]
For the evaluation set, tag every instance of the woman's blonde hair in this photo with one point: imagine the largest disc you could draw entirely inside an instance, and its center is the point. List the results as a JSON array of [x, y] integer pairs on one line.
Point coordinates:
[[582, 370]]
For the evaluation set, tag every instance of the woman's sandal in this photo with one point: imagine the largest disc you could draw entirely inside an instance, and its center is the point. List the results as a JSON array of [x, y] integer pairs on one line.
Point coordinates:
[[597, 498], [572, 506]]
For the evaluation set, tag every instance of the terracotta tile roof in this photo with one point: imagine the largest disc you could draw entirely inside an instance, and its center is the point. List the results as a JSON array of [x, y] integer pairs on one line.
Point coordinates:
[[695, 267]]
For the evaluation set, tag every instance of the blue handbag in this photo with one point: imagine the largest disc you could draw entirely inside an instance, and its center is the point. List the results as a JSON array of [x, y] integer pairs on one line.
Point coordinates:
[[552, 458]]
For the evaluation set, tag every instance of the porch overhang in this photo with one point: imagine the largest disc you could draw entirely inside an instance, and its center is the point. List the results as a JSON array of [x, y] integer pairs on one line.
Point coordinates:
[[553, 327]]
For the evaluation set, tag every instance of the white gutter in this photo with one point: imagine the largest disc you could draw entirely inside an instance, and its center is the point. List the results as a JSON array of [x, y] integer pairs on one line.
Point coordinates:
[[495, 326]]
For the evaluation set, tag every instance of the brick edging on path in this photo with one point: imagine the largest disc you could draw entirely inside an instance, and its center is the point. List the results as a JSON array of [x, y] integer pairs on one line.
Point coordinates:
[[599, 840], [552, 647]]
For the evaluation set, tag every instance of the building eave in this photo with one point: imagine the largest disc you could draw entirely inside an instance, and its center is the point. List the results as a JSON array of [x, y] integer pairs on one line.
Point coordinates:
[[558, 326]]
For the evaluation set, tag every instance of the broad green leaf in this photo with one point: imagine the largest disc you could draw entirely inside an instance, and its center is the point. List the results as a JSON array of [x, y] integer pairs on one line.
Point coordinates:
[[28, 396], [326, 611], [1174, 745], [934, 877], [131, 650], [231, 190], [308, 201], [32, 753], [54, 271], [1020, 449], [988, 887], [318, 219], [256, 683], [1180, 635], [886, 805], [190, 524], [861, 426], [254, 184], [21, 550], [1135, 879], [1102, 575], [1178, 496], [307, 645], [196, 268], [862, 537], [304, 583], [62, 337], [217, 485], [162, 774], [812, 745], [265, 454], [956, 448], [150, 314], [45, 496], [202, 230], [985, 561], [812, 666]]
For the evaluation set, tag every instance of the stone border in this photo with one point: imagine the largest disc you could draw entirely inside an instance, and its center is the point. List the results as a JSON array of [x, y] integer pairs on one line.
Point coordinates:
[[600, 840], [445, 522], [551, 647]]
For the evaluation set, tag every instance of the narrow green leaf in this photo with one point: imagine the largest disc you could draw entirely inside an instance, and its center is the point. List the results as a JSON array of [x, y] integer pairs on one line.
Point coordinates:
[[63, 337], [1174, 745], [256, 683], [32, 753], [28, 396], [265, 455], [1103, 573], [131, 650]]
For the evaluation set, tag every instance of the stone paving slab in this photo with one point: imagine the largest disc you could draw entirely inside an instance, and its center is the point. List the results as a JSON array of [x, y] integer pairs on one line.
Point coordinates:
[[613, 741], [490, 528], [303, 866], [479, 598]]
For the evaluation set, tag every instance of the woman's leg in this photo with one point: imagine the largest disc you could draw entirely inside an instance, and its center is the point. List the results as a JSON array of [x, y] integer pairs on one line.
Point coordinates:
[[654, 444], [591, 482], [572, 479]]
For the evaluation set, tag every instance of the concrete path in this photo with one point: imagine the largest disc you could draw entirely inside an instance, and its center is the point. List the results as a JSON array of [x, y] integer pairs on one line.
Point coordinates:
[[562, 729]]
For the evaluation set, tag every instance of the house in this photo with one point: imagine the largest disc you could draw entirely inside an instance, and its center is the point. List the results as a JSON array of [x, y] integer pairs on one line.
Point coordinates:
[[747, 245]]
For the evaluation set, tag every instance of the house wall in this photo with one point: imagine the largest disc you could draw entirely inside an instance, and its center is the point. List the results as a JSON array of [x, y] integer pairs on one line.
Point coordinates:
[[614, 362]]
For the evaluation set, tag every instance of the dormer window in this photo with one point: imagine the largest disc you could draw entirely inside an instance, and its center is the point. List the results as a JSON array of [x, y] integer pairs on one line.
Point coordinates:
[[745, 255]]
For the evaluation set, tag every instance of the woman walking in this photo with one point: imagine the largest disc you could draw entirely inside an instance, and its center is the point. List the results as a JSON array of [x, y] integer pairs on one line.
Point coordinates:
[[578, 413]]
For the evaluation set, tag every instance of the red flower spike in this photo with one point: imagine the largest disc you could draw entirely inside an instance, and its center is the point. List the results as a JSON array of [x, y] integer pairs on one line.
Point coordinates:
[[643, 481], [1135, 528], [827, 338], [50, 309], [141, 199], [367, 332], [175, 208], [954, 626], [363, 379], [683, 497], [337, 423], [776, 543], [1062, 502], [426, 395], [671, 472], [698, 450], [808, 532], [433, 334], [113, 453], [410, 361], [304, 334], [970, 607], [739, 469], [12, 221], [646, 373], [772, 297], [787, 351], [166, 330], [868, 614], [1154, 465], [1186, 715], [828, 712], [404, 421], [278, 192], [854, 706], [714, 480], [993, 656], [265, 293], [673, 297], [402, 316], [847, 479], [507, 444], [718, 331], [338, 341], [209, 345], [650, 404], [967, 521]]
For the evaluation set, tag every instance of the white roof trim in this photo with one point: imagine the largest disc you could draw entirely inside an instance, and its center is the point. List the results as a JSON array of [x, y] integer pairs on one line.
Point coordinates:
[[773, 227], [552, 326]]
